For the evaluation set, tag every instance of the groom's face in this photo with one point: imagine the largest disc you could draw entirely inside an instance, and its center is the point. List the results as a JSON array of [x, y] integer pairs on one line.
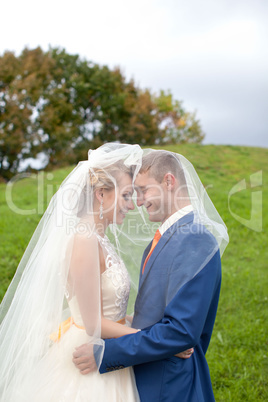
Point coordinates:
[[151, 194]]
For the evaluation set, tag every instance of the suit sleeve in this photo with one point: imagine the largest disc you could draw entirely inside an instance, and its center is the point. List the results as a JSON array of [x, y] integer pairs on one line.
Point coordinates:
[[180, 328]]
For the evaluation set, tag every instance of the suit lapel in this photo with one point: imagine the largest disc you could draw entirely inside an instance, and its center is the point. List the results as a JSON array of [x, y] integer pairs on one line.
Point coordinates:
[[146, 252], [160, 245]]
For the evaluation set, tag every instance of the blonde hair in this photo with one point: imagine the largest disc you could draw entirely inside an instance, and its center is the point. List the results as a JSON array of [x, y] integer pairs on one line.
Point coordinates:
[[103, 178]]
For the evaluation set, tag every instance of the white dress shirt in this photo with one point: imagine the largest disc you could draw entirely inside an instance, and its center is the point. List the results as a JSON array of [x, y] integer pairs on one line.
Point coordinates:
[[174, 218]]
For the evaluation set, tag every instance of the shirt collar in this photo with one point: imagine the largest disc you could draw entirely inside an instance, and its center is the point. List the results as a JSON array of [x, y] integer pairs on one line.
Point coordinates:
[[174, 218]]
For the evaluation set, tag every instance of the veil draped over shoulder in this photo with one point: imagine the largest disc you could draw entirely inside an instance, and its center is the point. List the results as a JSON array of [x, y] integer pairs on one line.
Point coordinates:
[[62, 261], [206, 230]]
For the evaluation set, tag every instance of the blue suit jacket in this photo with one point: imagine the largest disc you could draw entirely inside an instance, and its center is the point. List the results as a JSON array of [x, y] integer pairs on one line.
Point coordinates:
[[176, 308]]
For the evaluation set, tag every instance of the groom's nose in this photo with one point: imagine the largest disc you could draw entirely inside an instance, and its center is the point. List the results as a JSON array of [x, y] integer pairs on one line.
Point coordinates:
[[140, 200]]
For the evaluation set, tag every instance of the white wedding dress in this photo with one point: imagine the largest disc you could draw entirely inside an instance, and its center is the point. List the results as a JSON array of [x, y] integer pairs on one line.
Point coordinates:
[[57, 380]]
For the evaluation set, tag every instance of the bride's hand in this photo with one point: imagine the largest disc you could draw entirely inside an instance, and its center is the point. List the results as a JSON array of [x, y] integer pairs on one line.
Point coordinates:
[[185, 354], [83, 359]]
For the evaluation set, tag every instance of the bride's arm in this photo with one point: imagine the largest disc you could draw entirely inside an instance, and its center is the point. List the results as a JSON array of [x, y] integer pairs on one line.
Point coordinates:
[[111, 329], [84, 279]]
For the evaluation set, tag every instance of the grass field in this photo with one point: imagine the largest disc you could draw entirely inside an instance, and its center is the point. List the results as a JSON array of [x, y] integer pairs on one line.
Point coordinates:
[[238, 355]]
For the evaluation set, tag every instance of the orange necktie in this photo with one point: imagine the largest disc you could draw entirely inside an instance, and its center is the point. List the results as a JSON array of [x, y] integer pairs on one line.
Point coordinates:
[[154, 243]]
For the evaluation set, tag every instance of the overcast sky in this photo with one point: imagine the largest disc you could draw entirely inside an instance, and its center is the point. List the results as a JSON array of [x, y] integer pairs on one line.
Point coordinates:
[[211, 54]]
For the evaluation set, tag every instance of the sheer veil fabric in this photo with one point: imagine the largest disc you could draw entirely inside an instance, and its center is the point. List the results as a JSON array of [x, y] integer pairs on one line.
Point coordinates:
[[61, 262], [191, 189]]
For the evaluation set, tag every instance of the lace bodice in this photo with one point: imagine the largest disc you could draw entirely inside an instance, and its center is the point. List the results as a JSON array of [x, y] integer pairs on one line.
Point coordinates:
[[115, 285]]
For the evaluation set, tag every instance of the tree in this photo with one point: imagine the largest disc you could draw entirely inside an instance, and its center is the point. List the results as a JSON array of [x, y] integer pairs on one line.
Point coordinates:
[[177, 125], [22, 81], [60, 105]]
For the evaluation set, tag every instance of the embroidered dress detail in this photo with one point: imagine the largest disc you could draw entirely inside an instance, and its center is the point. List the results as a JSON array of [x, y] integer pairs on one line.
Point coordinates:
[[115, 273]]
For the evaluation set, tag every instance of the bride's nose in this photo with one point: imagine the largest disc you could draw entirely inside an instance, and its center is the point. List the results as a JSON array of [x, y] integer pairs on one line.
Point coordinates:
[[130, 205]]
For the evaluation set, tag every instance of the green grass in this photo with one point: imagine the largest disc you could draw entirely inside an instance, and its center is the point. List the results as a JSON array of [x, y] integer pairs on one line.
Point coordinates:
[[237, 356]]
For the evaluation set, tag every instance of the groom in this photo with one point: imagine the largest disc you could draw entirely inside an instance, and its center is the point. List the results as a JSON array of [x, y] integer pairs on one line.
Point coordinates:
[[178, 294]]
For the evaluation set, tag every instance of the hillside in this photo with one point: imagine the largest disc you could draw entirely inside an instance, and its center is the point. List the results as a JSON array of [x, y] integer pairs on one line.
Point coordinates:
[[238, 356]]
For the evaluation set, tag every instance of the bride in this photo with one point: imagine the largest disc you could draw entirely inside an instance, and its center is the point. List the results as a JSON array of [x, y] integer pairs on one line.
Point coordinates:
[[72, 287]]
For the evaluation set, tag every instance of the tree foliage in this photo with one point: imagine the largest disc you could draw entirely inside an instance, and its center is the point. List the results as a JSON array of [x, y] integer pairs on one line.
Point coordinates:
[[60, 105]]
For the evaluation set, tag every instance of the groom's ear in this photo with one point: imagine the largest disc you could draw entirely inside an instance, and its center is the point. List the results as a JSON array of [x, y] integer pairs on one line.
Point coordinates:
[[169, 180]]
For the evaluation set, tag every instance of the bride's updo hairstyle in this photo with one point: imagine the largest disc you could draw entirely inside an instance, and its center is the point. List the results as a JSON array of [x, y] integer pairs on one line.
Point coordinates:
[[101, 178], [105, 178]]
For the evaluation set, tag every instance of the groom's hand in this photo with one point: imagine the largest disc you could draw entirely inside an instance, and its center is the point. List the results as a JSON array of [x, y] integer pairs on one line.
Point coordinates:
[[83, 359]]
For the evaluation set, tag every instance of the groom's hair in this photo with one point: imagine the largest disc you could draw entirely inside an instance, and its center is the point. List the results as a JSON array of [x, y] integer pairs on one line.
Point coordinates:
[[159, 163]]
